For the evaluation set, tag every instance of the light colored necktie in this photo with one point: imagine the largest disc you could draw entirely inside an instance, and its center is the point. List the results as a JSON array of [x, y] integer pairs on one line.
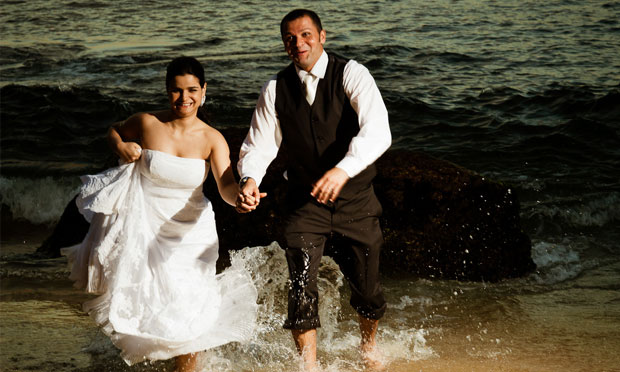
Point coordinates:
[[307, 82]]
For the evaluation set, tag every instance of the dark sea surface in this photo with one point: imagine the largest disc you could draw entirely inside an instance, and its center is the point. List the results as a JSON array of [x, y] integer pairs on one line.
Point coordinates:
[[523, 92]]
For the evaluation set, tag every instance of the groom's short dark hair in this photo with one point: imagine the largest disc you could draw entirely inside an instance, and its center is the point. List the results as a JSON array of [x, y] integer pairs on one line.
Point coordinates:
[[298, 13]]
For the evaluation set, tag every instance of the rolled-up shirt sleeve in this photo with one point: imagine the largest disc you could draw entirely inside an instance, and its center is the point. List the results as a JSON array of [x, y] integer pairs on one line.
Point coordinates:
[[264, 138], [374, 137]]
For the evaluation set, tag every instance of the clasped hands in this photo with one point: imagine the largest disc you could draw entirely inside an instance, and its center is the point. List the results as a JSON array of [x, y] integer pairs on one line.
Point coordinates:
[[248, 197], [325, 190]]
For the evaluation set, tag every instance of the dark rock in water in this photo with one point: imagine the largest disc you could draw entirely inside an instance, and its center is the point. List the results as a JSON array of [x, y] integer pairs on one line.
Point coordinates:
[[443, 221], [439, 220]]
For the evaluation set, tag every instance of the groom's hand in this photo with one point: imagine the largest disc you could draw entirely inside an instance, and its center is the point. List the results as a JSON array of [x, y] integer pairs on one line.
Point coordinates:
[[248, 197], [328, 187]]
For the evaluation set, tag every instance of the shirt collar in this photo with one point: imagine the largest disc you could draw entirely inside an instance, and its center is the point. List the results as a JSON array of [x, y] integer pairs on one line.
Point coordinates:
[[319, 68]]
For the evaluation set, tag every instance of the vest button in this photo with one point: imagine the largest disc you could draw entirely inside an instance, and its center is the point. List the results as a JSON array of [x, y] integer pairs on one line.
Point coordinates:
[[320, 138]]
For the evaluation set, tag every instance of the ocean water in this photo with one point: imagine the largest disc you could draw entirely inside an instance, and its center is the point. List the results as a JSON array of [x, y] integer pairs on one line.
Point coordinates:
[[524, 92]]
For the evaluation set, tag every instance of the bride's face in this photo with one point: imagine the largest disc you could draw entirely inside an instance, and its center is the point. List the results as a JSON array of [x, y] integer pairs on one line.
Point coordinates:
[[185, 95]]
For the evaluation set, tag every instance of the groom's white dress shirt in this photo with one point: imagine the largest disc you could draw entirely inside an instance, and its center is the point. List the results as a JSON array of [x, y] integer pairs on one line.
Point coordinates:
[[265, 136]]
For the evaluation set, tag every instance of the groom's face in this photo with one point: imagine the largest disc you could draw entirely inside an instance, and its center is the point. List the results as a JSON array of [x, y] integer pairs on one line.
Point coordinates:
[[303, 42]]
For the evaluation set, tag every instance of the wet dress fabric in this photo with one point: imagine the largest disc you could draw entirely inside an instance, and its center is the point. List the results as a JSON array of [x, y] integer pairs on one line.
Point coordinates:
[[150, 253]]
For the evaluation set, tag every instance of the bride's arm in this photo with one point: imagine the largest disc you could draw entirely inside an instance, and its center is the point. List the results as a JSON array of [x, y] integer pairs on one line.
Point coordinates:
[[222, 171], [121, 135]]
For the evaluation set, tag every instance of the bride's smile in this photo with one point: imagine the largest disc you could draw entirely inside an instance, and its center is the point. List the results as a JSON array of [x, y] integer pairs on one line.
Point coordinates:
[[185, 94]]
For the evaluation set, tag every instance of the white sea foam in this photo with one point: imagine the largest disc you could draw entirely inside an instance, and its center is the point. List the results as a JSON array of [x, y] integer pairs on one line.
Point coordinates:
[[39, 200], [420, 302], [555, 262]]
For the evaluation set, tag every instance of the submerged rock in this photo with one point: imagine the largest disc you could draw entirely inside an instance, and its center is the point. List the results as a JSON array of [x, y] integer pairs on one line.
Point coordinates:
[[439, 220]]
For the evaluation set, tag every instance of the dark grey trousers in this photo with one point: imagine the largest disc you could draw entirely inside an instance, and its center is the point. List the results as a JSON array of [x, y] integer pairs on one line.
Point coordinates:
[[347, 231]]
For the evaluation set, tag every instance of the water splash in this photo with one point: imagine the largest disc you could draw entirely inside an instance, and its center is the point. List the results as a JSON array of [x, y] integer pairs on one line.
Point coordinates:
[[338, 339]]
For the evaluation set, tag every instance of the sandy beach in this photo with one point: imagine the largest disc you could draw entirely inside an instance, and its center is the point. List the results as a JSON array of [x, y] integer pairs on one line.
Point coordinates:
[[431, 325]]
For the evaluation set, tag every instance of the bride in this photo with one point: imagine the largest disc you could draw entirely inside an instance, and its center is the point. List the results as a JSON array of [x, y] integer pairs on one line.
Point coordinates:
[[152, 245]]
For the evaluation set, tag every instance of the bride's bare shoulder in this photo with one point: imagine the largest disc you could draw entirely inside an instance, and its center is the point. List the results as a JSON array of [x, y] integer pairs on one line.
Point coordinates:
[[212, 135], [156, 117], [142, 119]]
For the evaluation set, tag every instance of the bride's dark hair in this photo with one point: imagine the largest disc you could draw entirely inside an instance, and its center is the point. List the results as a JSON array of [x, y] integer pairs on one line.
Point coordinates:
[[187, 66]]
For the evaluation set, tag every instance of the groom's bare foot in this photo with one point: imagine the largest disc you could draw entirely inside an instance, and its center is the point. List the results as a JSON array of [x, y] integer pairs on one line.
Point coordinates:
[[312, 367], [372, 358], [306, 365], [305, 341]]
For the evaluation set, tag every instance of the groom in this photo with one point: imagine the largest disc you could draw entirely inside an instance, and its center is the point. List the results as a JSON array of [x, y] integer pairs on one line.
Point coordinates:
[[327, 113]]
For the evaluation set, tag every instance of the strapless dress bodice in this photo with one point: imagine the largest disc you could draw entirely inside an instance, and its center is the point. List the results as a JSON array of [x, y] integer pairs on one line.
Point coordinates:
[[166, 170]]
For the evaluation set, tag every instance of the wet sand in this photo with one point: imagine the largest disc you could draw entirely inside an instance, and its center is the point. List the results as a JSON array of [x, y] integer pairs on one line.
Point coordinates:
[[430, 326]]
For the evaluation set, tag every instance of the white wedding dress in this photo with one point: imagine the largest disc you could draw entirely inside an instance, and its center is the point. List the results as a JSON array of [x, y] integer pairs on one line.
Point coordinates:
[[151, 252]]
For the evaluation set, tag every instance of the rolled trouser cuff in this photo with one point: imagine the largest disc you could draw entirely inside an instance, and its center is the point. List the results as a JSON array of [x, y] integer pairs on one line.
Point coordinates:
[[302, 324]]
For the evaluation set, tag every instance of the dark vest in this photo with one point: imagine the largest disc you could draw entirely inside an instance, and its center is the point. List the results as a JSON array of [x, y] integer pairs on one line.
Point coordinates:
[[315, 138]]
